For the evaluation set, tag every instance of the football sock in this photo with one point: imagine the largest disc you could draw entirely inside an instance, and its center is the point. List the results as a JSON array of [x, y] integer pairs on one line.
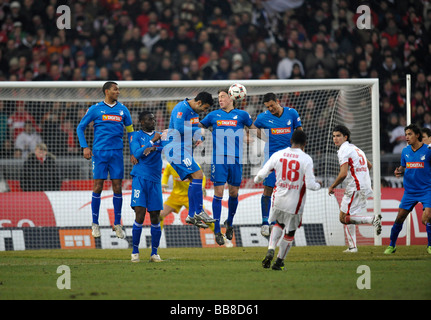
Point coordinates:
[[350, 231], [192, 209], [156, 233], [217, 213], [95, 206], [276, 233], [232, 205], [265, 203], [136, 236], [117, 200], [195, 192], [359, 219], [428, 228], [285, 245], [395, 231]]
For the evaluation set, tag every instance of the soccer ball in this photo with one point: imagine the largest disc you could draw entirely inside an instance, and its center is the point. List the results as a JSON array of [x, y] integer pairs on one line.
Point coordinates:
[[237, 92]]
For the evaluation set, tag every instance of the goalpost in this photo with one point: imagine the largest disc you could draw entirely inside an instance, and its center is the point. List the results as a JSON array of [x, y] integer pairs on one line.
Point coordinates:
[[60, 217]]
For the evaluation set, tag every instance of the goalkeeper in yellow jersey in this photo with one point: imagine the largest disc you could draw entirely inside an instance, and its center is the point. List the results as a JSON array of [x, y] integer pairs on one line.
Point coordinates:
[[179, 195]]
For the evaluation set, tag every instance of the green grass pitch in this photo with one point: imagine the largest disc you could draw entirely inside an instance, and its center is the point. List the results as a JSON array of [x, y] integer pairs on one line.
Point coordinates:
[[217, 274]]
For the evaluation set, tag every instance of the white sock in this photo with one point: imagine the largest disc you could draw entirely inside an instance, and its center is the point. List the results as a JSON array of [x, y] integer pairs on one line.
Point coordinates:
[[275, 236], [285, 245], [361, 219]]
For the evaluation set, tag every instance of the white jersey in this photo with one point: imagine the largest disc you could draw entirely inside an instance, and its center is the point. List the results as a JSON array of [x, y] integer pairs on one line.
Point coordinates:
[[294, 173], [358, 175]]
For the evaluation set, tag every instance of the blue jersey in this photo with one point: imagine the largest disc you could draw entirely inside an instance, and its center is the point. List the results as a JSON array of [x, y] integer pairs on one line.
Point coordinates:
[[149, 167], [109, 123], [417, 176], [278, 129], [227, 132], [182, 127]]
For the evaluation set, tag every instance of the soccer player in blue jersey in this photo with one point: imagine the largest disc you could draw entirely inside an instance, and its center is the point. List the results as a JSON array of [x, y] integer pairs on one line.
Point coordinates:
[[416, 168], [278, 123], [227, 124], [183, 129], [146, 146], [109, 118]]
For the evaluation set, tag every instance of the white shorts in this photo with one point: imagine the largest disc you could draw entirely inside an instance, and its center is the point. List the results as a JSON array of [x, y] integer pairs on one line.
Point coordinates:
[[291, 221], [354, 202]]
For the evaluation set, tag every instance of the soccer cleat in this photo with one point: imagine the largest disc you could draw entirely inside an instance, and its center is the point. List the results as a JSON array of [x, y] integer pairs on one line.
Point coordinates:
[[278, 265], [351, 250], [192, 220], [95, 230], [377, 223], [155, 258], [135, 257], [219, 238], [429, 249], [119, 231], [266, 262], [390, 250], [204, 217], [264, 230], [229, 231]]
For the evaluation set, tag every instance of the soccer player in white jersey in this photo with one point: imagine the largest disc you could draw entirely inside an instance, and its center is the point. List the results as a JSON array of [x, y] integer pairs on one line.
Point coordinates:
[[354, 170], [294, 174]]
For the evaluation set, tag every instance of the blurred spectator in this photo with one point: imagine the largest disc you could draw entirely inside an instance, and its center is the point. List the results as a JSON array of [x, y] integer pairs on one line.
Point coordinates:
[[39, 172], [398, 136], [26, 141]]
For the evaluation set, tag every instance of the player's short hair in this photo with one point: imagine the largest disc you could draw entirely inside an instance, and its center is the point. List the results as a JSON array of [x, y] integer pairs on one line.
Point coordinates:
[[108, 85], [205, 98], [143, 114], [227, 91], [269, 97], [427, 131], [299, 137], [344, 131], [415, 129]]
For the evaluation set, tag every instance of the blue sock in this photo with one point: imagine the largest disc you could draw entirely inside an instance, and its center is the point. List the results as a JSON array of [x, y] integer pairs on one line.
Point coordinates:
[[192, 209], [117, 200], [95, 207], [265, 203], [232, 205], [196, 196], [428, 228], [395, 231], [156, 233], [217, 213], [136, 236]]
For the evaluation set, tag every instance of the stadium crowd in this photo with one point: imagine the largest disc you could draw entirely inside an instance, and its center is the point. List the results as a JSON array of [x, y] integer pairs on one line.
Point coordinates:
[[213, 39]]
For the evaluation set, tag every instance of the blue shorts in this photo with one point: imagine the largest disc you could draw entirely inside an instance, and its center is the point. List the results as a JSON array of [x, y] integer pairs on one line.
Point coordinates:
[[409, 200], [230, 173], [146, 194], [270, 180], [105, 161], [186, 167]]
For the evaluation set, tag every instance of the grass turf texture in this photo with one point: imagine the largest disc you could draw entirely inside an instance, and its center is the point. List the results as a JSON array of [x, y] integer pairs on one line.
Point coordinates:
[[216, 274]]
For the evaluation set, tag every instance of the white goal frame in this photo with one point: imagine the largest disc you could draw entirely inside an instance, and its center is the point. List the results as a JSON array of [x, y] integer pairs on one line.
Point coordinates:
[[263, 86]]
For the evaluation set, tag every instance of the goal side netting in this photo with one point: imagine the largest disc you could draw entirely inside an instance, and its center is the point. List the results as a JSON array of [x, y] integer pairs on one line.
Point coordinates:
[[52, 209]]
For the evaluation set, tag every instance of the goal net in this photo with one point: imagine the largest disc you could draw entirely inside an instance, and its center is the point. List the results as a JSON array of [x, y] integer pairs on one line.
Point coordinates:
[[50, 207]]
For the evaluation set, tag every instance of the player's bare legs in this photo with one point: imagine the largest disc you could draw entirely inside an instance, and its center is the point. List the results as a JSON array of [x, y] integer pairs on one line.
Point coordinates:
[[167, 210]]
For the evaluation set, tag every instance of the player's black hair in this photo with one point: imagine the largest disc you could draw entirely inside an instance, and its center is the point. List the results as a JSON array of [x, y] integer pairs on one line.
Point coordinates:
[[143, 114], [415, 129], [108, 86], [344, 131], [205, 98], [269, 97], [427, 131], [299, 137]]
